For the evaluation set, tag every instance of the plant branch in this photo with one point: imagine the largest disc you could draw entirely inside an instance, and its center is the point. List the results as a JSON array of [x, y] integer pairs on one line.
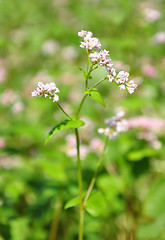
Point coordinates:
[[93, 180], [95, 85], [63, 111], [81, 103]]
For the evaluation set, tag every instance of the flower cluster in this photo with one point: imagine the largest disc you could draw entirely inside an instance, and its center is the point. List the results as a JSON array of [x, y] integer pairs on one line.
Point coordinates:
[[88, 41], [48, 90], [116, 124], [103, 59], [122, 78]]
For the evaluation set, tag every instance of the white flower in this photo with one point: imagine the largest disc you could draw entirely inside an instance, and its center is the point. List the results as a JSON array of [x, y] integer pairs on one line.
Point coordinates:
[[48, 90], [110, 78]]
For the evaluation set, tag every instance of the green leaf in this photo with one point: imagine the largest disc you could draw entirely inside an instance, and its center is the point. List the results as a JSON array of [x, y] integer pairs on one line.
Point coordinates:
[[72, 202], [142, 153], [17, 225], [96, 204], [95, 95], [67, 124], [84, 73], [154, 204], [53, 170], [151, 230]]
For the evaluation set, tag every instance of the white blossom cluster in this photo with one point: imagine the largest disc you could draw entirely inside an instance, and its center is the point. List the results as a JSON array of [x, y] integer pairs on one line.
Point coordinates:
[[88, 41], [116, 125], [48, 90], [122, 78], [102, 58]]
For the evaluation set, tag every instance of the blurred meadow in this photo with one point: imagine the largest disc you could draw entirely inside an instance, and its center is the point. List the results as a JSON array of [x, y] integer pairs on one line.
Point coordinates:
[[39, 42]]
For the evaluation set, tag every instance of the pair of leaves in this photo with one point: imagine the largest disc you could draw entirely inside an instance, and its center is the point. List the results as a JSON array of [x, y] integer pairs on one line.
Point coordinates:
[[67, 124], [95, 204], [95, 95]]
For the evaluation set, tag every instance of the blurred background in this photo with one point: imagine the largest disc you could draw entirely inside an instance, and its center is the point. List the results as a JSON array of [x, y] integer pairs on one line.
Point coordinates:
[[39, 42]]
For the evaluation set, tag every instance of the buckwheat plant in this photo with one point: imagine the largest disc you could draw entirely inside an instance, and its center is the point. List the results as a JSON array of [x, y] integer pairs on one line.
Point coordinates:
[[96, 58]]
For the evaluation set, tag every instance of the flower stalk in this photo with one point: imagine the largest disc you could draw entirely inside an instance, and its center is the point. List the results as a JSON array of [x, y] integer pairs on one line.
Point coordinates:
[[81, 207]]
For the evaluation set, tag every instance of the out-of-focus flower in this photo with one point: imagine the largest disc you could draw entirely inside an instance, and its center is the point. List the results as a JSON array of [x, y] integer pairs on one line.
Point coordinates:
[[2, 143], [151, 14], [116, 125], [147, 123], [8, 97], [71, 140], [48, 90], [119, 65], [96, 145], [151, 138], [3, 72], [149, 127], [68, 78], [71, 150], [17, 107], [50, 47], [9, 162], [88, 41], [69, 53], [159, 38], [149, 70], [42, 76]]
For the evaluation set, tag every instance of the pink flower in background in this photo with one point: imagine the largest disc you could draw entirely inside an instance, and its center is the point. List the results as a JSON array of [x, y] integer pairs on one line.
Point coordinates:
[[119, 65], [149, 128], [96, 145], [151, 14], [43, 76], [17, 107], [151, 138], [70, 147], [69, 53], [9, 162], [3, 73], [149, 70], [8, 97], [48, 90], [50, 47], [159, 38], [147, 123], [2, 143]]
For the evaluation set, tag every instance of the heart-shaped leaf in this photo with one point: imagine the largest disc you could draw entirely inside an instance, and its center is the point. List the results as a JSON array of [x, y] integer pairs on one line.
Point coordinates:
[[96, 204], [72, 202], [95, 95], [67, 124]]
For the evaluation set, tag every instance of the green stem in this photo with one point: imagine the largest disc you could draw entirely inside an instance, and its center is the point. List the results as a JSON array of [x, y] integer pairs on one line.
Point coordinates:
[[95, 85], [81, 208], [81, 103], [93, 180], [63, 111]]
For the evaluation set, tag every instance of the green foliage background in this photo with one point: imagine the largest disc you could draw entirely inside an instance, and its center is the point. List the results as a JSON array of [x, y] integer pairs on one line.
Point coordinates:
[[36, 181]]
